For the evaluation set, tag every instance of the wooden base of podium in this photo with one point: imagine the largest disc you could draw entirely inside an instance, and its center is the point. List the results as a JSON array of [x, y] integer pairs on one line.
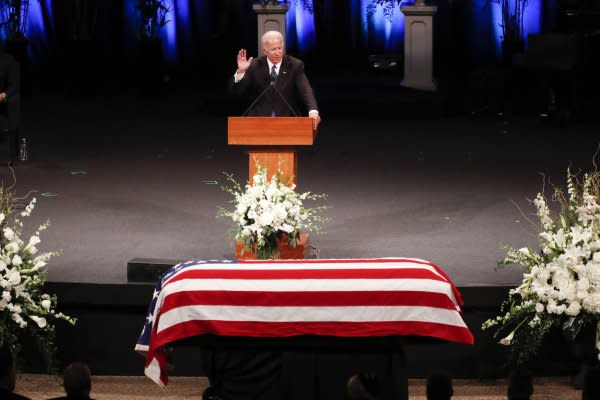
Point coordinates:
[[286, 251]]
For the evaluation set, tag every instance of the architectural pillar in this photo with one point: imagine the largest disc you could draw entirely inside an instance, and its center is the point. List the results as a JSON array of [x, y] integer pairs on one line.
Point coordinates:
[[418, 46], [271, 17]]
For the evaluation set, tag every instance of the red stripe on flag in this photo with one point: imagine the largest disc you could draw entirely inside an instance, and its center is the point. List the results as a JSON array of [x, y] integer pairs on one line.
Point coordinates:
[[338, 329], [338, 261], [372, 273], [307, 299]]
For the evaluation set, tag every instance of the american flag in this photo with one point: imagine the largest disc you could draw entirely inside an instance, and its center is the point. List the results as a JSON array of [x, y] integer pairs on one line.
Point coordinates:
[[282, 298]]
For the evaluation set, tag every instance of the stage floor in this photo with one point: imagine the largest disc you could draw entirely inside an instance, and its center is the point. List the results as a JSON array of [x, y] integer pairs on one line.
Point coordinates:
[[125, 177]]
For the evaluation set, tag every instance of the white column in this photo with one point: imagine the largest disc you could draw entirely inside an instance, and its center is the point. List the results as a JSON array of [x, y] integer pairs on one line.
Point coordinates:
[[271, 17], [418, 47]]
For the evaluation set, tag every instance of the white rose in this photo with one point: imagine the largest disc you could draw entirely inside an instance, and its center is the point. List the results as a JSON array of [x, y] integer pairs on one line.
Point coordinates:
[[34, 240], [46, 304], [11, 247], [13, 277], [38, 265], [573, 309], [539, 307], [2, 216], [265, 219], [2, 265], [17, 260], [596, 257], [583, 284], [40, 321], [9, 233], [16, 316], [6, 296]]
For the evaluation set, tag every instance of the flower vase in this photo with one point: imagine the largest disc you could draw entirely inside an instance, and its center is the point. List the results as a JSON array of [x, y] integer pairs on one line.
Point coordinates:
[[283, 250], [585, 353]]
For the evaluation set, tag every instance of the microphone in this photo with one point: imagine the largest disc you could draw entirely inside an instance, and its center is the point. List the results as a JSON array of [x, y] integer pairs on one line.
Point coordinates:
[[283, 98], [273, 79], [272, 85]]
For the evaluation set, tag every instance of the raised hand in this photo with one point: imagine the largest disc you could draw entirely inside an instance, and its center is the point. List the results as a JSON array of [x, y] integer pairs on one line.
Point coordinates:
[[242, 62]]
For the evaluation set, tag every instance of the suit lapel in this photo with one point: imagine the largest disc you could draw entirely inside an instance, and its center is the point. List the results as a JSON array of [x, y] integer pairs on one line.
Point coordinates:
[[283, 73], [263, 71]]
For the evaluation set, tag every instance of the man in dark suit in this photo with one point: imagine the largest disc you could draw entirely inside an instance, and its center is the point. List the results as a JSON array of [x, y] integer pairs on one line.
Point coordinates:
[[275, 82]]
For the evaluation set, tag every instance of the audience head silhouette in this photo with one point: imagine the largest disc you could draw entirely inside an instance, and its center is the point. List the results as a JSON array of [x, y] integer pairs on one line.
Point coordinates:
[[210, 394], [439, 387], [591, 384], [363, 387], [520, 384], [77, 380], [7, 370], [8, 376]]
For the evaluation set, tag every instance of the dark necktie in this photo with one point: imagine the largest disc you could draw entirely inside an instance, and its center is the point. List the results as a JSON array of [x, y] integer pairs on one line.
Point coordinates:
[[273, 74], [273, 80]]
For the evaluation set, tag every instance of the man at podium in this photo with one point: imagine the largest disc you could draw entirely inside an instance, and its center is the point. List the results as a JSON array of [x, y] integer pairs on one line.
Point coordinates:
[[275, 83]]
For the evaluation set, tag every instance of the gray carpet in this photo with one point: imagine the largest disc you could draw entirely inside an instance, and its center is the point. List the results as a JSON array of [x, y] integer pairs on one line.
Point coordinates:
[[124, 177]]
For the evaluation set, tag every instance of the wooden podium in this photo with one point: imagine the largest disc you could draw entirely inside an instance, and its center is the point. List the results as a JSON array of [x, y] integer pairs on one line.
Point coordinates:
[[271, 142]]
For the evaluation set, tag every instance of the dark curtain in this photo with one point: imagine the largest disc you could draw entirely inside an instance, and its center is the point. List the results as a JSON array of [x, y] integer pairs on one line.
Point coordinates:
[[206, 34]]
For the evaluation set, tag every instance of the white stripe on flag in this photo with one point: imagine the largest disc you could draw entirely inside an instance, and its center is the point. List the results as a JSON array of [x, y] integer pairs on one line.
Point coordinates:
[[257, 266], [310, 285], [309, 314], [152, 371]]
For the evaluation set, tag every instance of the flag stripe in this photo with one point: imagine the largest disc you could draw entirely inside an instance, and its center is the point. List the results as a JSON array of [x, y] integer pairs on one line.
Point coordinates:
[[308, 314], [310, 285], [390, 273], [316, 299], [305, 265], [338, 329]]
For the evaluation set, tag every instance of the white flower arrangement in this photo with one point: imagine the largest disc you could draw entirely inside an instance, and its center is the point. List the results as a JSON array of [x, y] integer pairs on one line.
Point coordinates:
[[561, 282], [267, 210], [25, 309]]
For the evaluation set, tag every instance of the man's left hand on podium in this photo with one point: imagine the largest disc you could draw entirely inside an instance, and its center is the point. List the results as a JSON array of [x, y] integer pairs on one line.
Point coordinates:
[[316, 118]]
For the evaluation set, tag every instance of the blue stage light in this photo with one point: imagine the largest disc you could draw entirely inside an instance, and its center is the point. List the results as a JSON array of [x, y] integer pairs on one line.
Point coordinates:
[[532, 21], [36, 30], [382, 25], [168, 33], [300, 24]]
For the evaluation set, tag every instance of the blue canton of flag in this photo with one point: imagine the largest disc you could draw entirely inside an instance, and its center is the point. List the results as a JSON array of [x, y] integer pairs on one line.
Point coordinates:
[[144, 339]]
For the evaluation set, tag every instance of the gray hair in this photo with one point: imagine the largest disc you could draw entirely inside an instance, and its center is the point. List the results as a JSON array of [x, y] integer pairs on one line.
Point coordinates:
[[271, 35]]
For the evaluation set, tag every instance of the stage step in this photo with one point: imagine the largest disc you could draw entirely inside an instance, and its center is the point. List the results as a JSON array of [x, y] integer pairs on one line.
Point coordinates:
[[148, 269]]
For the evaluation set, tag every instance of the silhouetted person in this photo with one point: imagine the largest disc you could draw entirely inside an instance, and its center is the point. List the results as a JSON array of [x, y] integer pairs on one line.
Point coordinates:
[[591, 384], [8, 377], [363, 387], [520, 384], [210, 394], [439, 387], [10, 102], [77, 381]]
